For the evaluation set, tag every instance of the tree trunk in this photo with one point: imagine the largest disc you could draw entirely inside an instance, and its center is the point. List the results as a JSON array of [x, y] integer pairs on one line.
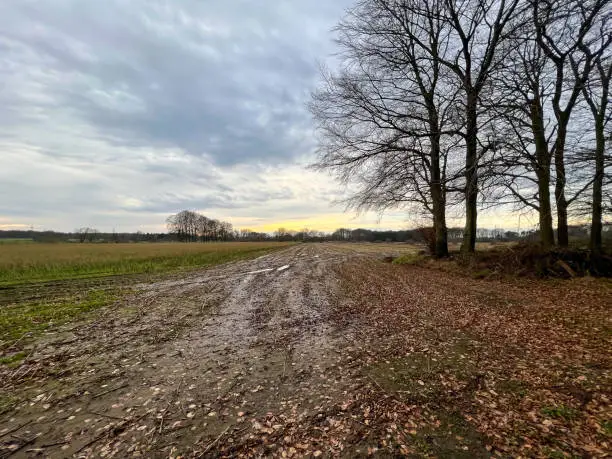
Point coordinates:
[[439, 217], [441, 231], [562, 230], [547, 234], [596, 223], [471, 176], [436, 187], [542, 169]]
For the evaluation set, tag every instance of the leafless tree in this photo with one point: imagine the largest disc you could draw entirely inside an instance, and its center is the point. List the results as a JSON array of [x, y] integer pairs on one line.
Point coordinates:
[[414, 73], [523, 164], [87, 234], [519, 87], [192, 226], [562, 30], [596, 50], [388, 117], [550, 59], [82, 233], [477, 30]]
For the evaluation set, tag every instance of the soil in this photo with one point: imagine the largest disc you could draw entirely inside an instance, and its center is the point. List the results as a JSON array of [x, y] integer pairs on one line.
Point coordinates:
[[184, 362], [296, 353]]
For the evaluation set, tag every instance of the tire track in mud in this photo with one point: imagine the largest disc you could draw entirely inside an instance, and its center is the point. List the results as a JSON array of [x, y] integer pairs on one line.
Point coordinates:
[[202, 356]]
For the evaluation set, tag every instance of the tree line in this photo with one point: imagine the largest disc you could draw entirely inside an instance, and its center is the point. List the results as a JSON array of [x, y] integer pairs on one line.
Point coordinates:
[[455, 234], [84, 235], [473, 103]]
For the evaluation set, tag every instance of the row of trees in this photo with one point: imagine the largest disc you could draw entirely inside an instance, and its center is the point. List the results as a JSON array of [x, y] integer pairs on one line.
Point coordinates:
[[416, 235], [441, 103], [578, 232], [192, 226], [84, 234]]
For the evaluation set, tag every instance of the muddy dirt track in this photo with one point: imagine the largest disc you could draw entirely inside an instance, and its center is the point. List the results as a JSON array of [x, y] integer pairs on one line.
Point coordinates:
[[321, 350], [193, 366]]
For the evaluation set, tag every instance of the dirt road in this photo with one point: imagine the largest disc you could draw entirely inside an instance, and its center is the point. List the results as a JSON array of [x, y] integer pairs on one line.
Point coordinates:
[[181, 367], [322, 350]]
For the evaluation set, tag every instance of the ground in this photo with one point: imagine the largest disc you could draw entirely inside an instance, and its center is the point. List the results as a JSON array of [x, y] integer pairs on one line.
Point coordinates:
[[319, 350]]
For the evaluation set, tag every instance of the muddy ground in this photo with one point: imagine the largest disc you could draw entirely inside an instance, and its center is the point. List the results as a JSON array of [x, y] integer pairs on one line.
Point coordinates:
[[271, 357], [181, 362]]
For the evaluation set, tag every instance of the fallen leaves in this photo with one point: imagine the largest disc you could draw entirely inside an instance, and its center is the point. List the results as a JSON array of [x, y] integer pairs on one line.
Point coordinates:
[[403, 361], [521, 369]]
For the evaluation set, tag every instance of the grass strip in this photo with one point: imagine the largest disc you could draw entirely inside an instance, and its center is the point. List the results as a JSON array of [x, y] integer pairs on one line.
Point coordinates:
[[85, 263]]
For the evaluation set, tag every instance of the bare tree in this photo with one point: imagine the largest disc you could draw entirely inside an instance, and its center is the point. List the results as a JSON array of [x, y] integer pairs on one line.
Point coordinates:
[[540, 85], [82, 233], [203, 224], [478, 28], [562, 28], [523, 164], [191, 226], [387, 119], [414, 73], [596, 49]]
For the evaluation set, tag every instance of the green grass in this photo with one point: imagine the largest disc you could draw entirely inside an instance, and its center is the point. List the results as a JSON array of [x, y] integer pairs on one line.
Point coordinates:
[[453, 438], [35, 317], [409, 259], [415, 379], [12, 360], [7, 403], [30, 304], [513, 387], [560, 412], [554, 454], [28, 263], [481, 274]]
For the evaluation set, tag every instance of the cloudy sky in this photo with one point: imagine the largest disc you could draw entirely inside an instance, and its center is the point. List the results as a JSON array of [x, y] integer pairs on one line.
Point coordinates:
[[117, 113]]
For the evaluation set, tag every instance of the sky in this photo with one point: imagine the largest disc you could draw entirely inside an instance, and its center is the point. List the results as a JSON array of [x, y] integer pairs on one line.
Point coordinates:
[[115, 114]]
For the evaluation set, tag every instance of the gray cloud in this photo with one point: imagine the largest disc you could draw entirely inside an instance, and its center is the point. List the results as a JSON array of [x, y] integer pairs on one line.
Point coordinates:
[[118, 112], [217, 78]]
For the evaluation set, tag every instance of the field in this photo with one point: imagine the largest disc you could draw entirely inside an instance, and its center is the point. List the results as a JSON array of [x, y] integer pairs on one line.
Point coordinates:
[[45, 285], [32, 262], [312, 350]]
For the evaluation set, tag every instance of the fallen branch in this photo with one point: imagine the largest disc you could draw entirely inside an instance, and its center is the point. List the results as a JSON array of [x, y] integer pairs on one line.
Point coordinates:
[[111, 390], [8, 432], [18, 340], [112, 432], [107, 416], [214, 442], [23, 445], [57, 443]]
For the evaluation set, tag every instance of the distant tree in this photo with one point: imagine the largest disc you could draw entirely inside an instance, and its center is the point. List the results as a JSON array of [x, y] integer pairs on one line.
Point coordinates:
[[82, 233], [93, 234], [283, 234], [86, 233], [341, 234], [192, 226]]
